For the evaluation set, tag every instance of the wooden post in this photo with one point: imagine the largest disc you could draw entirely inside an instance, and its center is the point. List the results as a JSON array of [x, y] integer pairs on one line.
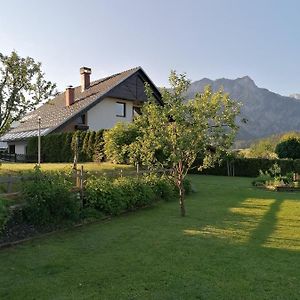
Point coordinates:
[[77, 178], [39, 141], [81, 185], [121, 173], [137, 169]]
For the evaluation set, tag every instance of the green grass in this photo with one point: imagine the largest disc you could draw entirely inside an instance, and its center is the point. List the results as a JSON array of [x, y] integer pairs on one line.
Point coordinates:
[[9, 168], [236, 242]]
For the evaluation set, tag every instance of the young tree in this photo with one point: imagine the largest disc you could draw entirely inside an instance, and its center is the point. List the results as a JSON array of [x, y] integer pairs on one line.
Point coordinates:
[[175, 134], [22, 87]]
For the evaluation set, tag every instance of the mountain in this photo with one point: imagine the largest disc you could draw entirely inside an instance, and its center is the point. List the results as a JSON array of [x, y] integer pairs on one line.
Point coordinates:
[[267, 113], [296, 96]]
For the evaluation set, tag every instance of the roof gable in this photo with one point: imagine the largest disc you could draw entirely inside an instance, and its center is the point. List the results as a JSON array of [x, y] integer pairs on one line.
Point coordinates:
[[54, 114]]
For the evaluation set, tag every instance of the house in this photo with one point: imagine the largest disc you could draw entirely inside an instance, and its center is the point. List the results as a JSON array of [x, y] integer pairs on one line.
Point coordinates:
[[91, 106]]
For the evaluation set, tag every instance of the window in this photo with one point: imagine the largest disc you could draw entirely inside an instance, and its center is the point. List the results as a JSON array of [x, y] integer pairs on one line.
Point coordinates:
[[121, 109], [12, 149], [81, 120]]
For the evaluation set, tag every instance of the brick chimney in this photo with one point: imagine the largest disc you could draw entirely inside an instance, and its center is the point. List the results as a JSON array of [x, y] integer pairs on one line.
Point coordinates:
[[69, 95], [85, 79]]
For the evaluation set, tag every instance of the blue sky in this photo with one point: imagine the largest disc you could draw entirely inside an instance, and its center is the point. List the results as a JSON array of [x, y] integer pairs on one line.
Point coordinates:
[[212, 38]]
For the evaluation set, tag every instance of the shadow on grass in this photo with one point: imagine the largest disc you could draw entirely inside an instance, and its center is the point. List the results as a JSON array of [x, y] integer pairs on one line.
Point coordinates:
[[261, 219], [267, 224]]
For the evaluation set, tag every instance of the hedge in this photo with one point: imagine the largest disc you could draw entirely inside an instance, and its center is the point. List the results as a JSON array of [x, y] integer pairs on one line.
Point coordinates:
[[59, 147], [112, 197], [249, 167]]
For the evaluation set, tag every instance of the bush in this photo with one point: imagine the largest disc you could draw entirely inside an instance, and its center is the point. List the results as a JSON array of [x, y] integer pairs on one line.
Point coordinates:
[[262, 179], [117, 141], [4, 214], [102, 195], [112, 197], [187, 186], [49, 200], [162, 186], [135, 192], [289, 148]]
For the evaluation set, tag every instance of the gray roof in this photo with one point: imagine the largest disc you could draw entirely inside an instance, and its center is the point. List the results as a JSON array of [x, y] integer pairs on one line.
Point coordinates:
[[55, 113]]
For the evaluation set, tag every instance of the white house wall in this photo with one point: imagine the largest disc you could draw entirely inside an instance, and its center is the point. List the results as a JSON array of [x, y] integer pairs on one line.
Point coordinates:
[[20, 147], [103, 115]]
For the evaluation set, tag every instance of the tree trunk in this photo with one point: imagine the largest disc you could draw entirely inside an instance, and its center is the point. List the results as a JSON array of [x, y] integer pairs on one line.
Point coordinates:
[[181, 197]]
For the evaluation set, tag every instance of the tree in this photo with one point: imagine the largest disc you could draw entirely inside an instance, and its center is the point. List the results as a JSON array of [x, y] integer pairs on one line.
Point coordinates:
[[262, 149], [289, 148], [117, 141], [22, 87], [175, 134]]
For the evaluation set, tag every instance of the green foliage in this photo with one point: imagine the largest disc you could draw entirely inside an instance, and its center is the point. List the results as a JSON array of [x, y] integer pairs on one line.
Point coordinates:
[[187, 184], [173, 135], [262, 178], [273, 177], [249, 167], [117, 142], [163, 187], [22, 87], [113, 197], [91, 145], [265, 148], [238, 243], [4, 213], [103, 196], [99, 155], [49, 200], [262, 149], [60, 147], [289, 148]]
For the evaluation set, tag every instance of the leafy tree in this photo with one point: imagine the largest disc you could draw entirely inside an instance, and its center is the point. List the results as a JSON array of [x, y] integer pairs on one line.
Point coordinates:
[[22, 87], [181, 131], [289, 148], [117, 141], [262, 149]]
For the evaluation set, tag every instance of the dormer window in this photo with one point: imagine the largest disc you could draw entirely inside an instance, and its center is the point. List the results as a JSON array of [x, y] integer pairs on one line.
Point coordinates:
[[121, 109]]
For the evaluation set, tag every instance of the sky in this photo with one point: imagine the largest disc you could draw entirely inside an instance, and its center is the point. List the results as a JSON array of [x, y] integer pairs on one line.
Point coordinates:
[[203, 38]]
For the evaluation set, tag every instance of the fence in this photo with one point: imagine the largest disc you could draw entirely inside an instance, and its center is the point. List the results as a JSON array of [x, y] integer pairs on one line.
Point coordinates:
[[23, 158]]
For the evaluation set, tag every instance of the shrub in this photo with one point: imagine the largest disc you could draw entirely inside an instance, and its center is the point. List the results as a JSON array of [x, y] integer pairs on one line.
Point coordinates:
[[4, 214], [117, 141], [49, 200], [104, 196], [134, 192], [162, 186], [127, 193], [187, 186], [262, 179], [289, 148]]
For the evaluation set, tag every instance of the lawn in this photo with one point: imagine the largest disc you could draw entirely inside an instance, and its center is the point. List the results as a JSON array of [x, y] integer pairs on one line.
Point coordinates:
[[236, 242], [23, 167]]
